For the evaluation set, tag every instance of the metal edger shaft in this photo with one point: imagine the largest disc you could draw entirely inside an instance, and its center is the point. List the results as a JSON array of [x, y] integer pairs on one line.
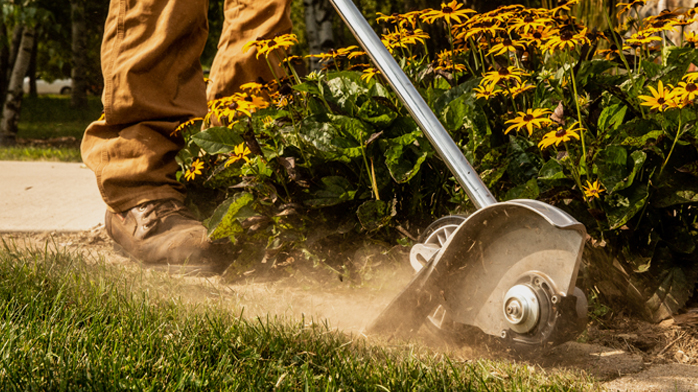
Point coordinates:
[[422, 114]]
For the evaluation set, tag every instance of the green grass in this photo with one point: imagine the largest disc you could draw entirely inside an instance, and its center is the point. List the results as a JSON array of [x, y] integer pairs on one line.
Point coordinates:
[[68, 324], [34, 153], [50, 116], [47, 117]]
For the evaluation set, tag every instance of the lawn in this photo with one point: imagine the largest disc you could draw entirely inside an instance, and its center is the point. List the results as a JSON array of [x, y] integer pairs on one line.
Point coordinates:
[[49, 117], [70, 323]]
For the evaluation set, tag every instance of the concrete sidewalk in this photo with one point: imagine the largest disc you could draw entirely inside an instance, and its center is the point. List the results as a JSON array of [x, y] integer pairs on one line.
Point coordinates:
[[48, 196]]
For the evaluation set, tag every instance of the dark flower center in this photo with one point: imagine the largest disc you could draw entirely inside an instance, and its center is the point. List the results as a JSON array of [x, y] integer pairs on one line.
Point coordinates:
[[566, 36], [503, 72], [528, 19], [661, 100], [537, 35], [528, 117], [447, 10], [691, 87], [560, 132], [506, 42], [233, 106]]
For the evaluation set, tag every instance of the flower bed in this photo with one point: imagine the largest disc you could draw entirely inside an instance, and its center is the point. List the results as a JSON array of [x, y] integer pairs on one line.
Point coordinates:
[[543, 106]]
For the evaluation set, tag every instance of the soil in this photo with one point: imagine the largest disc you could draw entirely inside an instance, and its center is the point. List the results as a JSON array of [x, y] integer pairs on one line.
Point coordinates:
[[622, 352]]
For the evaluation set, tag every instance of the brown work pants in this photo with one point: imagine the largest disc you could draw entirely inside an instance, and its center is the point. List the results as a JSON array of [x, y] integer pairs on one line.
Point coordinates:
[[153, 80]]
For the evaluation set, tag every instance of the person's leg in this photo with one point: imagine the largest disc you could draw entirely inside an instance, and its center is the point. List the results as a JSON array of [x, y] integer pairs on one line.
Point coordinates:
[[153, 81], [246, 20]]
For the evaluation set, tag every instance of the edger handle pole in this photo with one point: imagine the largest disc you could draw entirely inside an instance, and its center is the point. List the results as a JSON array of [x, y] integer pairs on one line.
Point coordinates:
[[422, 114]]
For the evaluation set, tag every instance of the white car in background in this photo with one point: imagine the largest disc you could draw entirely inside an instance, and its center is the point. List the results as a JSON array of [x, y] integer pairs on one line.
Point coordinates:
[[58, 86]]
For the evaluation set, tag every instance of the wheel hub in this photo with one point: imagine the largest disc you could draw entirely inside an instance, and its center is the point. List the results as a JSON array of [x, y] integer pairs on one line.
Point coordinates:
[[521, 308]]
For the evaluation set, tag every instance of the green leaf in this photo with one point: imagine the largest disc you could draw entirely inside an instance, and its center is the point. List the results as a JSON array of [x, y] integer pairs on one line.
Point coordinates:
[[374, 214], [678, 60], [677, 188], [218, 140], [529, 190], [377, 114], [351, 128], [611, 166], [524, 165], [650, 68], [322, 139], [641, 141], [622, 206], [307, 87], [551, 170], [464, 89], [611, 117], [637, 159], [225, 221], [403, 158], [334, 190], [591, 69]]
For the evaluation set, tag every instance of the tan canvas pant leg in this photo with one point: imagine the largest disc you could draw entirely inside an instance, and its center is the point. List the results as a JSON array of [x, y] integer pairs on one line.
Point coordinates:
[[153, 80], [246, 20]]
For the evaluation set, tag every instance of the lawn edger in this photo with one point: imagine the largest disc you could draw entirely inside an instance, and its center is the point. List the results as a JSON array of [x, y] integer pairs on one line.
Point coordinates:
[[508, 269]]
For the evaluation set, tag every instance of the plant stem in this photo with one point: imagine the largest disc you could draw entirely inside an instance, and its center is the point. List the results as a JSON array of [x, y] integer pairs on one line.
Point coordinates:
[[579, 116], [676, 139]]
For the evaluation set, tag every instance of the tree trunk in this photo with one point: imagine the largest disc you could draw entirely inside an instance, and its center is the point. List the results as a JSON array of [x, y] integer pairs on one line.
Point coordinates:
[[14, 47], [79, 47], [31, 72], [318, 24], [4, 55], [13, 101]]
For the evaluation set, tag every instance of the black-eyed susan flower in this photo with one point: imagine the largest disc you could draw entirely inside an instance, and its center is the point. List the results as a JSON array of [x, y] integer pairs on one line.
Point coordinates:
[[628, 6], [518, 88], [452, 12], [505, 45], [532, 118], [185, 125], [403, 20], [195, 169], [538, 37], [252, 87], [691, 77], [593, 189], [503, 75], [660, 100], [368, 74], [528, 24], [487, 91], [566, 39], [642, 38], [402, 38], [267, 46], [488, 27], [563, 5], [240, 152], [691, 37], [560, 135], [685, 93]]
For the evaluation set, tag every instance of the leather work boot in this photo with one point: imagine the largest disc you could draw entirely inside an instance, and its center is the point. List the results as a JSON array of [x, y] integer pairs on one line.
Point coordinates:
[[165, 234]]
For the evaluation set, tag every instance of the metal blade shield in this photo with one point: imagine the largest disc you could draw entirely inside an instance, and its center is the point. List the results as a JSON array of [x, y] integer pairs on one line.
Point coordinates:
[[483, 259], [490, 252]]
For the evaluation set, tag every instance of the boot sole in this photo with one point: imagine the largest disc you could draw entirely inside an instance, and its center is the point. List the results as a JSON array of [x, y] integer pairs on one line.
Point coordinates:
[[202, 270]]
